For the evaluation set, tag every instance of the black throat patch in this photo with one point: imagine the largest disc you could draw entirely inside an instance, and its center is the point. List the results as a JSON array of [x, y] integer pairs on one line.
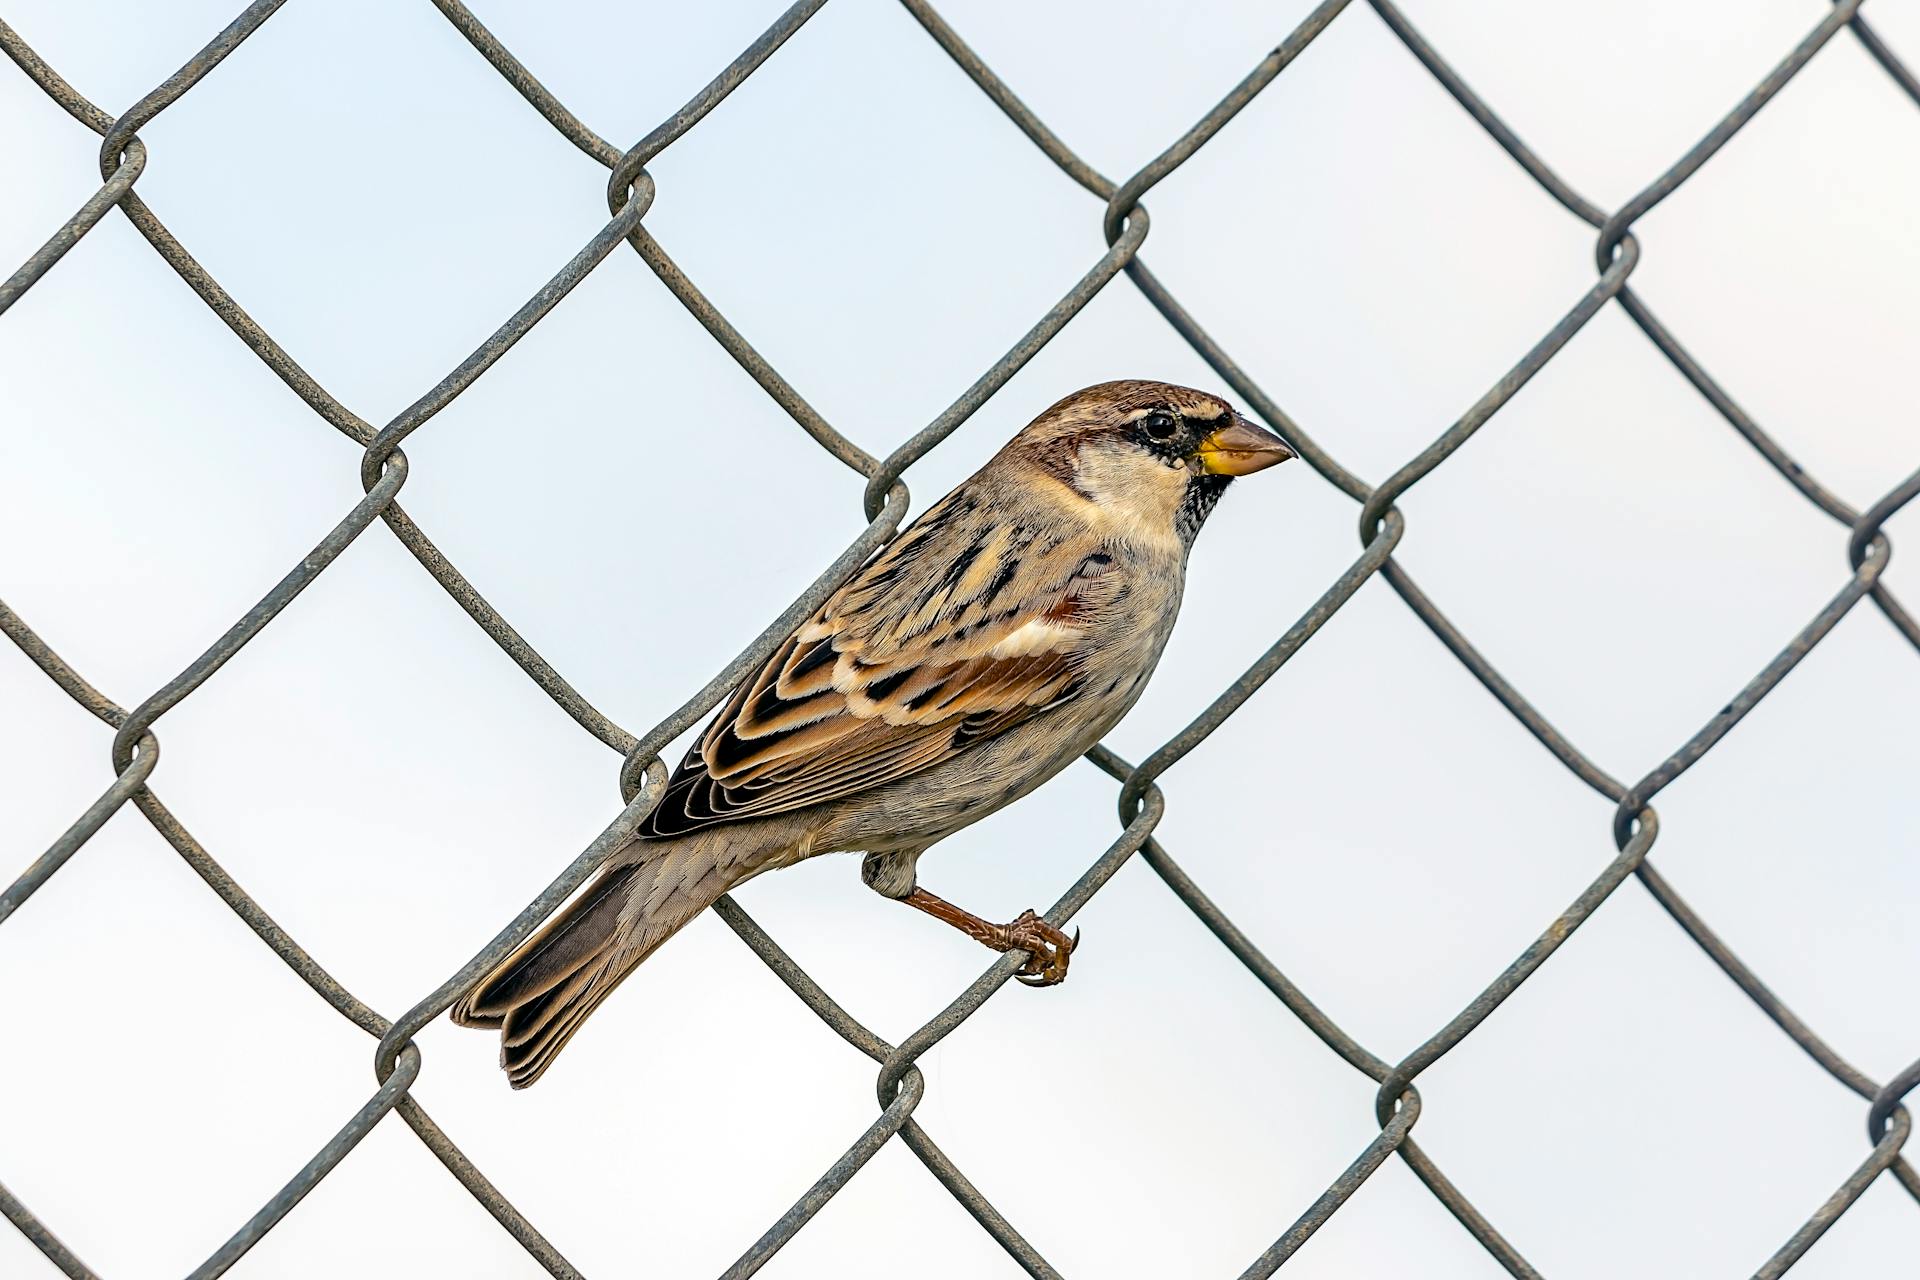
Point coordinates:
[[1203, 492]]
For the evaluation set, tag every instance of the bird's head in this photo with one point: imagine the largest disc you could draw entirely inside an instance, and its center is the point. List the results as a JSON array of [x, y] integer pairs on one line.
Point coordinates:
[[1153, 457]]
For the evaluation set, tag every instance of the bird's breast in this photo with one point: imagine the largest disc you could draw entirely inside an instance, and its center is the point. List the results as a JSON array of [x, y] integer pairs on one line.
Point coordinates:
[[1137, 605]]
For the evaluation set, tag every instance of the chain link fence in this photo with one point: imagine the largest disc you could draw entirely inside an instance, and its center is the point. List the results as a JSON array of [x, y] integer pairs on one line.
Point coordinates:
[[900, 1086]]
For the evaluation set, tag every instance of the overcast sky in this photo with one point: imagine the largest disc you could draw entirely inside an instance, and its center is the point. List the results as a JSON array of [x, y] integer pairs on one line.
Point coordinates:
[[392, 789]]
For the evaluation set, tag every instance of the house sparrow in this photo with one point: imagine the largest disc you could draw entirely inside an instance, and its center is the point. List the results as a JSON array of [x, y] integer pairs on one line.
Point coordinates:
[[997, 638]]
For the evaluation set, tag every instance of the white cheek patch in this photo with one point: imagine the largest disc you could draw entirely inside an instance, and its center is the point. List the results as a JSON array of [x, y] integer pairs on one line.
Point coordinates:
[[1037, 636], [1135, 500]]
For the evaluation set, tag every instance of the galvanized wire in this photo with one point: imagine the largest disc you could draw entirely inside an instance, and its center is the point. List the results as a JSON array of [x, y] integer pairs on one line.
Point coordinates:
[[899, 1085]]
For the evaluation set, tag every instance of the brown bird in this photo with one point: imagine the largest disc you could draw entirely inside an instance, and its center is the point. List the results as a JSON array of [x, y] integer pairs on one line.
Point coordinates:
[[975, 656]]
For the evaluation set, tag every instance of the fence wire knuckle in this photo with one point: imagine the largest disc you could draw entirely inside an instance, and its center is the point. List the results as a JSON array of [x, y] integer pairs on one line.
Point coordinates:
[[1125, 224]]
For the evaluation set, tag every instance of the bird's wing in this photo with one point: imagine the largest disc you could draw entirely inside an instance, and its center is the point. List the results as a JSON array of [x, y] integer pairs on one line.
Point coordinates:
[[960, 629]]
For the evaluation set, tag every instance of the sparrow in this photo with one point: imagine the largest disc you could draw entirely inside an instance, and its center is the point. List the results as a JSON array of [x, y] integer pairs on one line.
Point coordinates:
[[992, 642]]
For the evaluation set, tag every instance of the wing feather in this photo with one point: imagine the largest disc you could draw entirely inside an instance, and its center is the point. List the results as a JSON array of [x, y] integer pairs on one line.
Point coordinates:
[[959, 630]]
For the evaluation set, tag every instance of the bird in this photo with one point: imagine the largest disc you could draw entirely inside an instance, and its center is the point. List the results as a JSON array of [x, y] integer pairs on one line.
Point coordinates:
[[997, 638]]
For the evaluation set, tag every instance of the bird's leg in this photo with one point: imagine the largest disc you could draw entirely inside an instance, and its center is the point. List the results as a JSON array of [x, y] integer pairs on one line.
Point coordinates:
[[1047, 948], [891, 875]]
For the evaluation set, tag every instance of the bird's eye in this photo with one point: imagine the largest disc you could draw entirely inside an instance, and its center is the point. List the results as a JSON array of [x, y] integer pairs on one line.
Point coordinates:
[[1160, 426]]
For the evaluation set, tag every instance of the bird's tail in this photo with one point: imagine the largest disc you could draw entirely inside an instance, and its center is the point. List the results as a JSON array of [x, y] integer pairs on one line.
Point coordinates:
[[540, 994]]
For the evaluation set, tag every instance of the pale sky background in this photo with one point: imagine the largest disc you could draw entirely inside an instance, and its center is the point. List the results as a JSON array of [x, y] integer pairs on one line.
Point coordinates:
[[393, 789]]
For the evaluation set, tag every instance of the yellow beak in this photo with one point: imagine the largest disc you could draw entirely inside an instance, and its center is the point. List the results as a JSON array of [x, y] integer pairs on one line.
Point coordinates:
[[1240, 448]]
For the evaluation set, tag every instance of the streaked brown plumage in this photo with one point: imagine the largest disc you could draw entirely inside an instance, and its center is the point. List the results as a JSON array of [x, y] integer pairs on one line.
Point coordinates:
[[996, 639]]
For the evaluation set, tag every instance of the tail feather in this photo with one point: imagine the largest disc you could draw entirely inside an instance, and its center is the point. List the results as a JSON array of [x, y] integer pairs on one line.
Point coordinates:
[[563, 946], [525, 1023], [541, 993], [527, 1058]]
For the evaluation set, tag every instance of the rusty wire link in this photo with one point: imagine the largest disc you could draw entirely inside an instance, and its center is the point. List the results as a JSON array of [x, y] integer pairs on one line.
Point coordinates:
[[900, 1086]]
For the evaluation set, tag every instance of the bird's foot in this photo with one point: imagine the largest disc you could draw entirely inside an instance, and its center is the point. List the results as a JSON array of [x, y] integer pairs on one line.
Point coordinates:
[[1048, 949]]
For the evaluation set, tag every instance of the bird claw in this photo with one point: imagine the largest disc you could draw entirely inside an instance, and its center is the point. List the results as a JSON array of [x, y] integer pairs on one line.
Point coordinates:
[[1048, 949]]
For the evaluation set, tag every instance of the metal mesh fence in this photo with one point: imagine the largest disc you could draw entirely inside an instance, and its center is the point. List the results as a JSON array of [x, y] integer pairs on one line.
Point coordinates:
[[900, 1086]]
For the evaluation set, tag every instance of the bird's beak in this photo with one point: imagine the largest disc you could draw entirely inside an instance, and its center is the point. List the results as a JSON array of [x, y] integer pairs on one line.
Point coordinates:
[[1240, 448]]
